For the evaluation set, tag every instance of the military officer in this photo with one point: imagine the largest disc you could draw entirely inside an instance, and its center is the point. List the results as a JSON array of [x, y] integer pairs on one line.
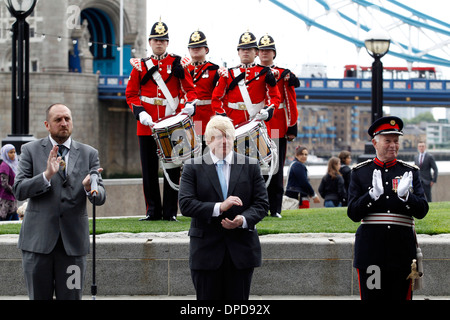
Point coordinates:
[[248, 91], [283, 124], [205, 77], [152, 93], [385, 195]]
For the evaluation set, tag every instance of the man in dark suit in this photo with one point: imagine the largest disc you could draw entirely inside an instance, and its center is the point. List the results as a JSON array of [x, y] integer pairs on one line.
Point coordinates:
[[54, 237], [425, 161], [224, 243]]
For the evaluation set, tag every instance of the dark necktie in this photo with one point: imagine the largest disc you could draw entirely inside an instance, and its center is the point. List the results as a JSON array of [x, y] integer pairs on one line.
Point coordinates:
[[62, 152]]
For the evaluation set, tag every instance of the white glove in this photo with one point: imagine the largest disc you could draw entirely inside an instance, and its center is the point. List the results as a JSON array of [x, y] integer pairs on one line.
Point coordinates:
[[275, 72], [223, 72], [136, 63], [189, 108], [146, 119], [263, 114], [186, 61], [404, 184], [377, 185]]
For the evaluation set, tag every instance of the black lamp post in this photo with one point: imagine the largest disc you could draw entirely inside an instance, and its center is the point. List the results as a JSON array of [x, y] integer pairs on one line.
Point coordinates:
[[377, 45], [20, 88]]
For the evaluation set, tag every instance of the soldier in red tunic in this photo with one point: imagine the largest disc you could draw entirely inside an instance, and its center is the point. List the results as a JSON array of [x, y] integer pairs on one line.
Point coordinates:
[[283, 124], [152, 93], [205, 77], [248, 91]]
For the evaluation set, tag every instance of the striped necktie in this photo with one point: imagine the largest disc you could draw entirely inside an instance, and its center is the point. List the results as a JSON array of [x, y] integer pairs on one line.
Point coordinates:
[[62, 152]]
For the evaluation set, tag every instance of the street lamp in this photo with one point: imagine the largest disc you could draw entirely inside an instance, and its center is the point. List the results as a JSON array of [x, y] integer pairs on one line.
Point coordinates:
[[377, 45], [20, 9]]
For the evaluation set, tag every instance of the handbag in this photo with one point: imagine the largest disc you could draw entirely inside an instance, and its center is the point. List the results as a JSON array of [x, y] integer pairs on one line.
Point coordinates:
[[289, 203]]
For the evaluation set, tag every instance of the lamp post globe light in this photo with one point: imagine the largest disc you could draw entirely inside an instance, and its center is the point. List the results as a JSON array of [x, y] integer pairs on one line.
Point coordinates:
[[377, 45], [20, 9]]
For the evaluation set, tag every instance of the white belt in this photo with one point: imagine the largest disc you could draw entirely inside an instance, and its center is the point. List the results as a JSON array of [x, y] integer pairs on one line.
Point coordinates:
[[203, 102], [157, 101], [242, 106], [388, 218], [282, 105]]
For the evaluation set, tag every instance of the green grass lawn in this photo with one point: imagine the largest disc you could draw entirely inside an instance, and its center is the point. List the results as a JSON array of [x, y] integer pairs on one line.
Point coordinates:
[[327, 220]]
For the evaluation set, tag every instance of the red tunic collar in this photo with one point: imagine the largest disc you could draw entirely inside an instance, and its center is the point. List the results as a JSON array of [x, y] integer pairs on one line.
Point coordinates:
[[382, 164]]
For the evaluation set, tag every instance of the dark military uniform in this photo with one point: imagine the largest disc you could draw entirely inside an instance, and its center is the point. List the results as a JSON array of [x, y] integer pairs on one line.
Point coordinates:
[[386, 238]]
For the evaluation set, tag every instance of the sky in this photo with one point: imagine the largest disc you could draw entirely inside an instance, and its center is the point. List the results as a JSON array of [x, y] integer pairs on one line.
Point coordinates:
[[223, 22]]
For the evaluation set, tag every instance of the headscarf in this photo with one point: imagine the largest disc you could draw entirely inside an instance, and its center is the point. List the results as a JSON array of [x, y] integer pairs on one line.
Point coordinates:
[[5, 157]]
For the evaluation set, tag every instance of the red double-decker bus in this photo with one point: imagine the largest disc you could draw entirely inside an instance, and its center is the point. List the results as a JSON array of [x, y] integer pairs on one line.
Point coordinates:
[[354, 71]]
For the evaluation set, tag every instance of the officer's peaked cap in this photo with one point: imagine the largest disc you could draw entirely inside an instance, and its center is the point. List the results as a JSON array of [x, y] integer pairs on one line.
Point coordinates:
[[386, 125]]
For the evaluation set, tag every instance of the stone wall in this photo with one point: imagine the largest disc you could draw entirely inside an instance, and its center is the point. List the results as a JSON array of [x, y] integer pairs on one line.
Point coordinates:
[[293, 264]]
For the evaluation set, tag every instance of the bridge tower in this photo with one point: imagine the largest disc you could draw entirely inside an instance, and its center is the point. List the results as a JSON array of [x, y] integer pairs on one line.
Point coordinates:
[[72, 43], [80, 36]]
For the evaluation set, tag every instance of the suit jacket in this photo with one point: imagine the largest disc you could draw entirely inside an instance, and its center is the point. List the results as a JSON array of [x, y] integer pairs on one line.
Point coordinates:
[[428, 163], [58, 209], [200, 191]]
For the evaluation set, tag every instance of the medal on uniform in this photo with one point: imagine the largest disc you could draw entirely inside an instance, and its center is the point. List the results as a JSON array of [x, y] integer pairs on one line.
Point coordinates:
[[169, 69], [205, 74], [395, 183]]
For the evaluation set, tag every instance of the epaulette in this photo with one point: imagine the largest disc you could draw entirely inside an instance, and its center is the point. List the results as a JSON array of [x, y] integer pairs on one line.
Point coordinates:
[[412, 166], [362, 164], [174, 55]]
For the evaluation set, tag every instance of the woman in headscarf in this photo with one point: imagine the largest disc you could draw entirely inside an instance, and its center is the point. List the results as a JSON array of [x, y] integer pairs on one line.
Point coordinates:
[[8, 170]]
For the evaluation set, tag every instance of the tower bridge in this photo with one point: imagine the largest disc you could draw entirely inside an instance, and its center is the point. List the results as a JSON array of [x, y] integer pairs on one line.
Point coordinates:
[[327, 91]]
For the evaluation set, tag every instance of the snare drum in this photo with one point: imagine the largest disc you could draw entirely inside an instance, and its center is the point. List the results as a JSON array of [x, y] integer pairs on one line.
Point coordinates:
[[253, 141], [176, 140]]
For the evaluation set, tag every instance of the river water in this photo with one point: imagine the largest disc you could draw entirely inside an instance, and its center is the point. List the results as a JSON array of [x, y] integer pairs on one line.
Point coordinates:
[[321, 169]]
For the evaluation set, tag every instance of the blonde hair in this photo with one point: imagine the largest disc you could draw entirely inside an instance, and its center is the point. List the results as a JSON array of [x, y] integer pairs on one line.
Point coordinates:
[[221, 123]]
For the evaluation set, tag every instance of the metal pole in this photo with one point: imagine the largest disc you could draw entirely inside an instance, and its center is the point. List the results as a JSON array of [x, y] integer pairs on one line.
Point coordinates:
[[377, 89], [14, 125], [121, 37], [20, 75], [94, 284], [26, 94]]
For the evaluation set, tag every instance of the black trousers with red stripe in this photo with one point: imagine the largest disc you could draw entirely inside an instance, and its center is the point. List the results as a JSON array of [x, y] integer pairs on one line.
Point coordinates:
[[150, 180], [391, 285]]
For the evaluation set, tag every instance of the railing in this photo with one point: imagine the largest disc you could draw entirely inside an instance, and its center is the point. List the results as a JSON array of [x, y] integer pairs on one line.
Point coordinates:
[[331, 91], [357, 84], [418, 92], [112, 87]]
